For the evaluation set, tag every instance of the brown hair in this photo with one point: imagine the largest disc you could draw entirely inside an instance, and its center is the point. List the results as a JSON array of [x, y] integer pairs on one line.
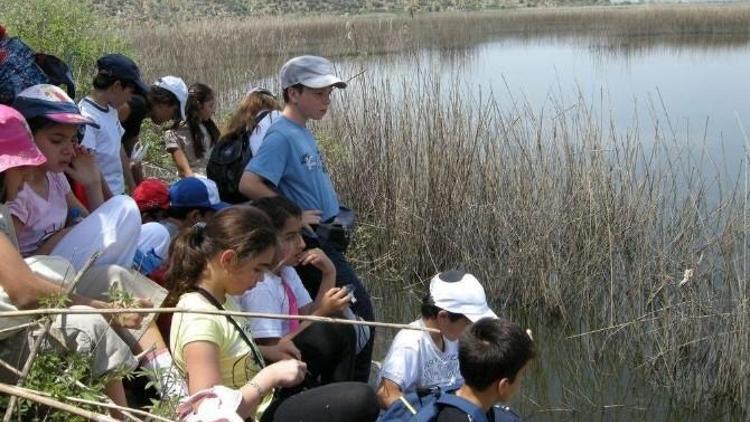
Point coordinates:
[[243, 228], [199, 94], [244, 117]]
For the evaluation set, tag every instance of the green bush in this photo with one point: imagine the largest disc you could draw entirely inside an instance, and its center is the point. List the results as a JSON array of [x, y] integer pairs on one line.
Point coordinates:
[[69, 29]]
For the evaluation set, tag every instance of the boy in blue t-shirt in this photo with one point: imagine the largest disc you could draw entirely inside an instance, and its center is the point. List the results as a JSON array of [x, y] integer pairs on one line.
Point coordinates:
[[290, 161]]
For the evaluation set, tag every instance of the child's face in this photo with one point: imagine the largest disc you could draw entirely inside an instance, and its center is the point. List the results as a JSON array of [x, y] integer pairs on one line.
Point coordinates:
[[120, 95], [57, 143], [451, 329], [245, 274], [161, 113], [312, 103], [207, 109], [291, 243]]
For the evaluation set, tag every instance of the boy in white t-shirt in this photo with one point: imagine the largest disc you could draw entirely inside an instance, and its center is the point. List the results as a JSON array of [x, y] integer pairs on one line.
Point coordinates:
[[420, 361], [116, 80]]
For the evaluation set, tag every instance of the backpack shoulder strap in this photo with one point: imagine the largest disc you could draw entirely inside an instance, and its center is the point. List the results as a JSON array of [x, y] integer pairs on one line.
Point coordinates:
[[474, 412]]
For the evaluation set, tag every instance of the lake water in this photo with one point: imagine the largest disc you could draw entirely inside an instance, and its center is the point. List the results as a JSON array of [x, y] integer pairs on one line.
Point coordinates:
[[697, 89]]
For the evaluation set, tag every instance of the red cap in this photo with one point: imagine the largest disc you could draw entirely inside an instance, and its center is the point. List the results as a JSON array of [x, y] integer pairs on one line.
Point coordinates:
[[151, 194]]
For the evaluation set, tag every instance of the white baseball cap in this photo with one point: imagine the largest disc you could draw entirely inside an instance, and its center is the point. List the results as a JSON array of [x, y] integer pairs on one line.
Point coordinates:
[[310, 71], [460, 293], [177, 87]]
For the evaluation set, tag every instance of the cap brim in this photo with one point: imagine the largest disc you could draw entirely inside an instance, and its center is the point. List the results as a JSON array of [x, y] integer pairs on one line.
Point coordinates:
[[72, 119], [324, 81], [474, 317]]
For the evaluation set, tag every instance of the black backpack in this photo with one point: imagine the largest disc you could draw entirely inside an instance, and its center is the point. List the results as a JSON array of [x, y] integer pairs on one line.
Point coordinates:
[[227, 162]]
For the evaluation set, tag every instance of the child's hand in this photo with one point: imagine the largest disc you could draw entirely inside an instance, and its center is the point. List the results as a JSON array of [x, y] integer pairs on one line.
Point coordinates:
[[282, 350], [83, 168], [287, 373], [131, 320], [311, 217], [334, 301], [318, 259]]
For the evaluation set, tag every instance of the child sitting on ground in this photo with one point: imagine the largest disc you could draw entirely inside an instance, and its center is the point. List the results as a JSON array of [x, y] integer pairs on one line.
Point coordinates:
[[48, 218], [421, 362], [328, 349], [493, 356]]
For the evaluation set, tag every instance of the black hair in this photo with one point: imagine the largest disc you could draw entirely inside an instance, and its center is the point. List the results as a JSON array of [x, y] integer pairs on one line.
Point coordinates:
[[492, 349], [278, 209], [296, 87], [159, 95], [430, 311], [199, 94], [104, 80], [181, 213], [39, 123]]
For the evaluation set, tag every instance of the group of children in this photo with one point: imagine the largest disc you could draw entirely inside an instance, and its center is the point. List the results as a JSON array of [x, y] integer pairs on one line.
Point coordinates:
[[66, 170]]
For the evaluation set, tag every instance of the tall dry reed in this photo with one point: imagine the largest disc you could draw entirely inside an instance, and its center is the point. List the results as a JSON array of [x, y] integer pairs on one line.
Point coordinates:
[[559, 216]]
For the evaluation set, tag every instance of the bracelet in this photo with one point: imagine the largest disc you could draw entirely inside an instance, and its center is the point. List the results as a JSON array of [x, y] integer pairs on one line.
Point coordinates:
[[256, 386]]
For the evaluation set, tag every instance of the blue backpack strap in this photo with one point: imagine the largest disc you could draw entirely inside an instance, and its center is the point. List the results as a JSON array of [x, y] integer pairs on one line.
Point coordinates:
[[475, 413], [398, 411]]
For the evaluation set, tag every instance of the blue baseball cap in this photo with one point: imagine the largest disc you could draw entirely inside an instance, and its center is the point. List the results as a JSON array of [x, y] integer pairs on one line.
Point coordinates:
[[122, 67], [195, 192]]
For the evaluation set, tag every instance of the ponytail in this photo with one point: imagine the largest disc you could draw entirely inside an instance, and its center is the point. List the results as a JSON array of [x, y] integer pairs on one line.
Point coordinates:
[[242, 228]]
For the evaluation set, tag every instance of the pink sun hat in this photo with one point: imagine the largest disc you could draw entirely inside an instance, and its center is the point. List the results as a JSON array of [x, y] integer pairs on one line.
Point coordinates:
[[16, 142], [51, 102]]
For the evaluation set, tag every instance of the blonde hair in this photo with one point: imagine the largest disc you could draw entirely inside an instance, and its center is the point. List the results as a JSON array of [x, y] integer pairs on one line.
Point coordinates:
[[243, 119]]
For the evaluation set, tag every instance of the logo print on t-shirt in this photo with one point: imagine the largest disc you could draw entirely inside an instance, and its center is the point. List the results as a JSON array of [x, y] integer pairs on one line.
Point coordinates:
[[311, 162]]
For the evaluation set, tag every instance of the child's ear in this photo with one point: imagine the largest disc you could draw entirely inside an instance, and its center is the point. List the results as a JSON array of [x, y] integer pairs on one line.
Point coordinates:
[[228, 258], [504, 389], [194, 217]]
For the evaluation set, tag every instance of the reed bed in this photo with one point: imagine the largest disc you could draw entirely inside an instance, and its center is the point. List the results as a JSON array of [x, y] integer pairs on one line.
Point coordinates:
[[560, 216]]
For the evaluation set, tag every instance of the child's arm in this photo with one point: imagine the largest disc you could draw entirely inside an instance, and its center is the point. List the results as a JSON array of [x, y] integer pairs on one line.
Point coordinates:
[[400, 369], [74, 203], [388, 392], [253, 186], [127, 173], [181, 162], [202, 367]]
